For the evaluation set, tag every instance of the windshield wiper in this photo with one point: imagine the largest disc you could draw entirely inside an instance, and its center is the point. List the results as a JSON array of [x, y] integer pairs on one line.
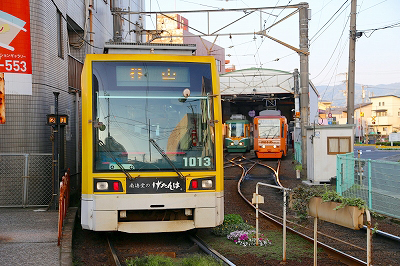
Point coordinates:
[[101, 143], [158, 148]]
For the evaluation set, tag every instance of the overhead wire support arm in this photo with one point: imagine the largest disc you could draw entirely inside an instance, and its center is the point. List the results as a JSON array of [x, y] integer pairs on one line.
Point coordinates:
[[284, 44], [279, 21], [234, 21], [263, 33], [202, 11]]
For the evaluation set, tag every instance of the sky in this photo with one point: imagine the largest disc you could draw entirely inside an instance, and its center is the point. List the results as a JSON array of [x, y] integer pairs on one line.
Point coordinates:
[[377, 50]]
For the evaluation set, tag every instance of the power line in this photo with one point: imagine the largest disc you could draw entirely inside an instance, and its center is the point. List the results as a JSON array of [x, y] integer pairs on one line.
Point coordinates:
[[372, 6], [330, 20], [82, 38], [394, 25], [337, 44]]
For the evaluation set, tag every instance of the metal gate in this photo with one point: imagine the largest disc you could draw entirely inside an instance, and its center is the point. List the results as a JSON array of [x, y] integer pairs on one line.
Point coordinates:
[[25, 180]]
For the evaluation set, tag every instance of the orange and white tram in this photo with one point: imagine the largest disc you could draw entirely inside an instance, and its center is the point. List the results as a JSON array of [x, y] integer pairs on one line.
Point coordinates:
[[270, 134]]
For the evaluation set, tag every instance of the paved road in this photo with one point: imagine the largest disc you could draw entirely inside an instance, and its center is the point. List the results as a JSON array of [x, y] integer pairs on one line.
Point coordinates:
[[370, 152]]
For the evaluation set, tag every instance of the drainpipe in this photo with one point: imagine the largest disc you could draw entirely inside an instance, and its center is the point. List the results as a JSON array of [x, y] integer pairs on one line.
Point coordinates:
[[91, 26]]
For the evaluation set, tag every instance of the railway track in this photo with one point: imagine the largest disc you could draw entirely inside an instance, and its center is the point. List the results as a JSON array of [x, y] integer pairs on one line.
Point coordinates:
[[349, 246], [174, 245]]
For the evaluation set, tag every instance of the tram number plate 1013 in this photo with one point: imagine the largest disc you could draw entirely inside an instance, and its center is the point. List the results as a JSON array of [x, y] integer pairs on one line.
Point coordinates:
[[196, 161]]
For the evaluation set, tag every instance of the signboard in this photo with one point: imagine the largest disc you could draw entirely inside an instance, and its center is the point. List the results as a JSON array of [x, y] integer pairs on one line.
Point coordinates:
[[15, 46], [155, 185], [394, 137]]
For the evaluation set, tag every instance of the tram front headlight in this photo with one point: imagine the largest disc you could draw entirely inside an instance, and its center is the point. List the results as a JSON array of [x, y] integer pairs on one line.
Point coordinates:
[[231, 143], [274, 146], [207, 183], [102, 185], [241, 143]]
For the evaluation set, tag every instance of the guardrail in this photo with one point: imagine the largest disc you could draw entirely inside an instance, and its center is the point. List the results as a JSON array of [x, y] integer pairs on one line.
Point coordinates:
[[63, 202]]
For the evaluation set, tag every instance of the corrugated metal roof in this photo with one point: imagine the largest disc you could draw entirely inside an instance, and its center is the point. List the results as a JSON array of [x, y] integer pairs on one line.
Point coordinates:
[[258, 81]]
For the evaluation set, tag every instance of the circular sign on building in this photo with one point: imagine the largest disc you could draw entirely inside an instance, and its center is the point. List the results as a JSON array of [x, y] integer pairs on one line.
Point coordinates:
[[252, 113]]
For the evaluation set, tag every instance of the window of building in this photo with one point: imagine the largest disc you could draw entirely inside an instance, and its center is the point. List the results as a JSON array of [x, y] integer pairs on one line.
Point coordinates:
[[339, 145], [59, 35], [381, 113], [383, 103], [385, 129], [379, 103]]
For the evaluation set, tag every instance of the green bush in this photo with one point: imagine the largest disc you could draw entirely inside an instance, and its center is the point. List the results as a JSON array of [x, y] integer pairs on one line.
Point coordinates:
[[199, 260], [151, 260], [232, 222], [301, 195], [387, 143], [232, 219], [224, 230]]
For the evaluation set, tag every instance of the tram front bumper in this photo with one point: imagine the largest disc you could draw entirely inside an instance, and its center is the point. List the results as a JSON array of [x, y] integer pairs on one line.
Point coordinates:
[[102, 212]]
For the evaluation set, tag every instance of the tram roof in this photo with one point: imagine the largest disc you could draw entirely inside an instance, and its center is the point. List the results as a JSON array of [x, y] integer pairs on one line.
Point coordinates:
[[258, 81]]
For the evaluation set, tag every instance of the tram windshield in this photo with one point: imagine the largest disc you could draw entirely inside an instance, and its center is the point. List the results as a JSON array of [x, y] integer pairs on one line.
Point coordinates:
[[269, 128], [144, 111], [236, 130]]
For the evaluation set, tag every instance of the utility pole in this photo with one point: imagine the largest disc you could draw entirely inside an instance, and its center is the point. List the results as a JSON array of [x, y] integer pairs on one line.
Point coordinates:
[[304, 79], [346, 91], [352, 63]]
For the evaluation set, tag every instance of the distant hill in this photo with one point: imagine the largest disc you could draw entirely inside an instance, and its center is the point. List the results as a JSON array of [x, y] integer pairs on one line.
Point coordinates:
[[335, 94]]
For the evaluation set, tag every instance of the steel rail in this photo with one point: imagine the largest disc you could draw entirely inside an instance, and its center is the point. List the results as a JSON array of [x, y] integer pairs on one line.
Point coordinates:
[[113, 252], [210, 251]]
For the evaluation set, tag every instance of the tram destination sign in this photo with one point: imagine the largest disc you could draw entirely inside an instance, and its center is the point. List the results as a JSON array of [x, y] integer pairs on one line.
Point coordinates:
[[155, 185]]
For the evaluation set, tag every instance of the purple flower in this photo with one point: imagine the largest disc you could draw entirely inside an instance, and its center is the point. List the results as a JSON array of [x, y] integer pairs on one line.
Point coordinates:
[[244, 237]]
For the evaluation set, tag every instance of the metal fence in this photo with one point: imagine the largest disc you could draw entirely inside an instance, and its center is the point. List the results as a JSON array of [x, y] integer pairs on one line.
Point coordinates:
[[376, 182], [26, 180], [297, 152]]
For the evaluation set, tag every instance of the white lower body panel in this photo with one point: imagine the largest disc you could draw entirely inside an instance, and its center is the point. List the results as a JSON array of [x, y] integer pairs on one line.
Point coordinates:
[[100, 212]]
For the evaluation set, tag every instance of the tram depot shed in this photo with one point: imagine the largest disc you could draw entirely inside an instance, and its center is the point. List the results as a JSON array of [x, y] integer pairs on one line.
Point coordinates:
[[252, 90]]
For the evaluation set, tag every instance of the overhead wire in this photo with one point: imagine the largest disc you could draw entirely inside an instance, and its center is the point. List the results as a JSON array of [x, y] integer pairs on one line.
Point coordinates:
[[62, 15], [330, 20], [334, 50], [372, 6], [269, 29], [394, 25]]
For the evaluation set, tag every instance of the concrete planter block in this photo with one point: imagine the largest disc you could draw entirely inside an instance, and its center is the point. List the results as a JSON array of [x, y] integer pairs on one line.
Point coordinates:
[[349, 216]]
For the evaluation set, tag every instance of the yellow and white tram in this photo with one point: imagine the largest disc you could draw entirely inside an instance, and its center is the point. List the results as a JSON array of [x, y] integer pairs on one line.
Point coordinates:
[[152, 151]]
